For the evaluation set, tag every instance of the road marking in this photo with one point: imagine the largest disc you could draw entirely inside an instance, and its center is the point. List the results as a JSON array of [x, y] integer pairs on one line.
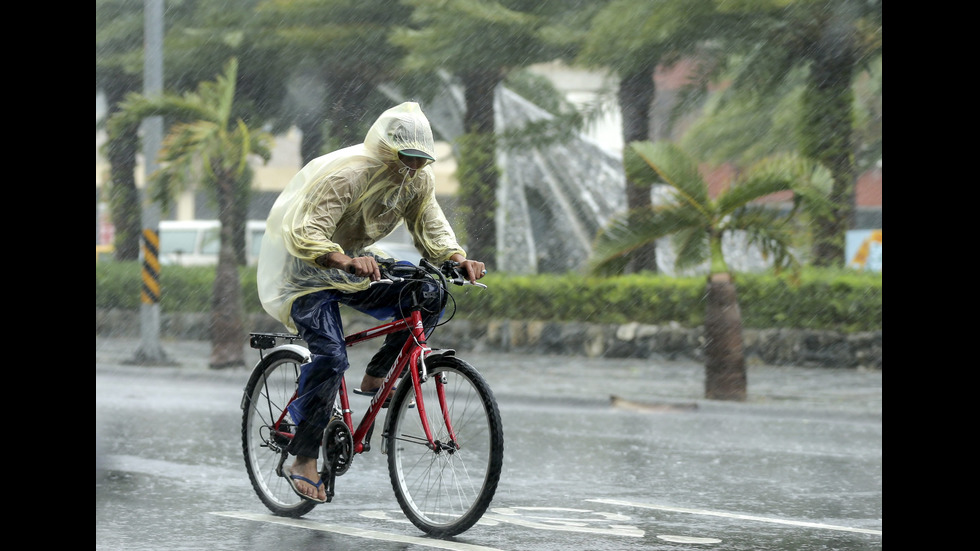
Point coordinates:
[[570, 520], [737, 516], [687, 539], [355, 532]]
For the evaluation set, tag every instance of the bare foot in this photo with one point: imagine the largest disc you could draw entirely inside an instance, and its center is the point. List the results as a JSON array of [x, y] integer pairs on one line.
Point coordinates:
[[369, 383], [306, 467]]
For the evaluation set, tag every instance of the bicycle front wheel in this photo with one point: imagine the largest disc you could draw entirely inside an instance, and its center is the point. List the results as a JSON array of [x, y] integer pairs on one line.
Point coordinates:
[[444, 491], [269, 389]]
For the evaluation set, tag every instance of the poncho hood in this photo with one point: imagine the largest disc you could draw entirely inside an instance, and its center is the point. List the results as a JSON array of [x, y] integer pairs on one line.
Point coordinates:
[[403, 126]]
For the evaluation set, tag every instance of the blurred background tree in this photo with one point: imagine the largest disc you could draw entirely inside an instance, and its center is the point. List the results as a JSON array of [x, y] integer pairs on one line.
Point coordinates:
[[480, 43], [206, 146], [770, 75], [699, 223], [788, 73], [633, 38]]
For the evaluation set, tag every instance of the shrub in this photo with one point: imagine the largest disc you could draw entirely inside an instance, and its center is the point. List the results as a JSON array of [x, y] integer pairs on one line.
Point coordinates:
[[841, 300]]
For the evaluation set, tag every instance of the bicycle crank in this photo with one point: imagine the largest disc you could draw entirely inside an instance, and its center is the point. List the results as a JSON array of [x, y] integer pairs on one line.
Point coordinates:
[[338, 447]]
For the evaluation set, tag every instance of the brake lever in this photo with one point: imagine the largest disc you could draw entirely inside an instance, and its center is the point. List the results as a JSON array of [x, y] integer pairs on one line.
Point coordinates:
[[463, 281]]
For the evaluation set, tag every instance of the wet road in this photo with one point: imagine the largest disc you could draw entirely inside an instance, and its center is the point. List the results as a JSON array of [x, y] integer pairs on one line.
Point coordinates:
[[599, 455]]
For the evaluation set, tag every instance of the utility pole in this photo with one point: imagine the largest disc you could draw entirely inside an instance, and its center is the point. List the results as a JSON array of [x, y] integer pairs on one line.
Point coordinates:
[[150, 352]]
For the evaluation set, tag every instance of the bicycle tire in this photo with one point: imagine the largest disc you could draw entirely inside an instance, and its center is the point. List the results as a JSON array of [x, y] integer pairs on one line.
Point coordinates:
[[445, 492], [269, 388]]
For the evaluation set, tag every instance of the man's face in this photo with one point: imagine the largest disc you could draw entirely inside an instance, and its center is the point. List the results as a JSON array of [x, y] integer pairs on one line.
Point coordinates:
[[414, 163]]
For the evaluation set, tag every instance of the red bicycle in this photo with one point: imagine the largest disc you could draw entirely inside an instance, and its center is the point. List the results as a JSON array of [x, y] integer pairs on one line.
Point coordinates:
[[442, 434]]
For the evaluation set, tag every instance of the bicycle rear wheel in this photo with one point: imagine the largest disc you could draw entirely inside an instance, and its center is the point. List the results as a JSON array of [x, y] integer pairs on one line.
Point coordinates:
[[445, 491], [271, 385]]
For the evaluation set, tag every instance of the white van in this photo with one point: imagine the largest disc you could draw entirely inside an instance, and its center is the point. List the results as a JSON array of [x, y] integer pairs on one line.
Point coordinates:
[[196, 242]]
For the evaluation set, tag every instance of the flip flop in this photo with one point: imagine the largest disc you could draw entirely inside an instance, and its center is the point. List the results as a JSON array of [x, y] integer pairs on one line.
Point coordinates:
[[292, 478]]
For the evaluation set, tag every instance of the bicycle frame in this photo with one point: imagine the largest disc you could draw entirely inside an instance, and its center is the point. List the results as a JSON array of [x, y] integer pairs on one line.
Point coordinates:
[[413, 353]]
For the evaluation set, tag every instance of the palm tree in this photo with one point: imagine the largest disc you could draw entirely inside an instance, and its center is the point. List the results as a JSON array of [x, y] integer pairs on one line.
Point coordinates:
[[828, 46], [118, 71], [209, 147], [200, 37], [698, 225], [632, 38]]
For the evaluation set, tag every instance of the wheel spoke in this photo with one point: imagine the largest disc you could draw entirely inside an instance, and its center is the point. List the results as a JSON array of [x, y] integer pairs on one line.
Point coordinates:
[[270, 388], [446, 490]]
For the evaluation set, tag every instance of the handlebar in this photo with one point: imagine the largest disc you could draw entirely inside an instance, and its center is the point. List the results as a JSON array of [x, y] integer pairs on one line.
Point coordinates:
[[448, 273]]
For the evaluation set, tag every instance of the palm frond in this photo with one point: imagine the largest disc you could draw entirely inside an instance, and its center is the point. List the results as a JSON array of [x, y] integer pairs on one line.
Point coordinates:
[[622, 235], [634, 229], [770, 230], [698, 225], [244, 147], [219, 95], [187, 138], [675, 169], [691, 247], [637, 170], [783, 172]]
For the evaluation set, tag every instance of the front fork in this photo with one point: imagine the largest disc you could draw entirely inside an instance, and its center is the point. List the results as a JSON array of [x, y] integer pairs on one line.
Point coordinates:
[[419, 375]]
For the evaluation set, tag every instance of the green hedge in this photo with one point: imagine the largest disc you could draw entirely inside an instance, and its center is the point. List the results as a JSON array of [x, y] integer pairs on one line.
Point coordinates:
[[842, 300]]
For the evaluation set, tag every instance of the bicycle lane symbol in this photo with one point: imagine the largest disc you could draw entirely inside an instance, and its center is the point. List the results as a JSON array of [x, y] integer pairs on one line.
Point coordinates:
[[559, 519]]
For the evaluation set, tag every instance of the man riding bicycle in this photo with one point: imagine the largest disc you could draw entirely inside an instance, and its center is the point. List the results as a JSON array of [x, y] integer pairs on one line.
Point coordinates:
[[317, 254]]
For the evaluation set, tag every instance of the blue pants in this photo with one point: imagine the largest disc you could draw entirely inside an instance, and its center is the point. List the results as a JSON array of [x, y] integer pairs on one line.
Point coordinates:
[[317, 318]]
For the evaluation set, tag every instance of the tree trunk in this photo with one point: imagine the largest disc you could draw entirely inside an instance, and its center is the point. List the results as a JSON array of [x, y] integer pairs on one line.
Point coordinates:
[[311, 142], [227, 326], [725, 376], [342, 109], [478, 170], [239, 214], [125, 207], [827, 126], [636, 93], [346, 110]]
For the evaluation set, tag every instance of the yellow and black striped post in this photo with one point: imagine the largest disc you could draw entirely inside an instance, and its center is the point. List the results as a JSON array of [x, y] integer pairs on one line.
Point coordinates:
[[150, 352], [150, 290]]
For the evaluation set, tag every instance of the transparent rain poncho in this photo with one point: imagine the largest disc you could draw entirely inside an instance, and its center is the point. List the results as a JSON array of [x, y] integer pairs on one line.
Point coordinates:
[[344, 202]]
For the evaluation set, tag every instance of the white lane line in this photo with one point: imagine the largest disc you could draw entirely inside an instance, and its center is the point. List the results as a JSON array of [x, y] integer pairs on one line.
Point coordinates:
[[565, 520], [737, 516], [355, 532]]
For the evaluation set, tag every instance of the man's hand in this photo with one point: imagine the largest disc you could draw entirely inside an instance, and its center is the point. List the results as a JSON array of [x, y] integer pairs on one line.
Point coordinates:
[[473, 269], [364, 266]]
